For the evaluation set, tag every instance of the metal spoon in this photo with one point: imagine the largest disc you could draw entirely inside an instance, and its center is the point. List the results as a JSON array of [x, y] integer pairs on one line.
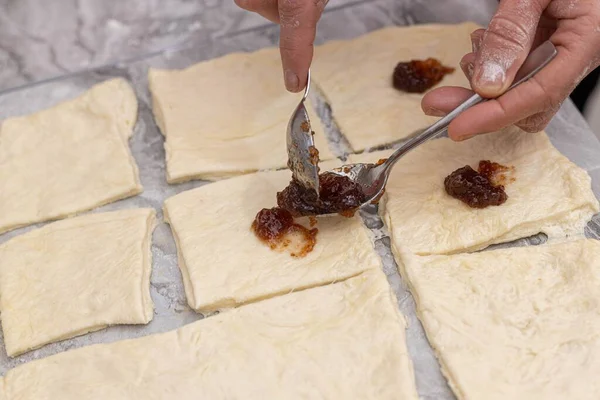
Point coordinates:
[[302, 153], [373, 178]]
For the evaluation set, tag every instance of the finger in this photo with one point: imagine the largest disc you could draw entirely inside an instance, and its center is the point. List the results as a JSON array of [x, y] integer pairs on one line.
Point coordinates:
[[570, 9], [536, 122], [266, 8], [441, 101], [505, 45], [542, 93], [298, 20]]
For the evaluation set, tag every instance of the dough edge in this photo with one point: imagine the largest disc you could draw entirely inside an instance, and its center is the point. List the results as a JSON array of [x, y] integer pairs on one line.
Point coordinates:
[[147, 306], [138, 189]]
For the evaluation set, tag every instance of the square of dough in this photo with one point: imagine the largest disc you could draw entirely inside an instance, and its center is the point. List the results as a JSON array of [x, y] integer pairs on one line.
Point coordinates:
[[355, 76], [69, 158], [550, 194], [518, 323], [226, 117], [225, 265], [76, 276], [340, 341]]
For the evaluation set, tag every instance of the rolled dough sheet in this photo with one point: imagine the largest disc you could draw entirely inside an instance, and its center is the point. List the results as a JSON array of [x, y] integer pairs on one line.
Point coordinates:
[[226, 116], [69, 158], [76, 276], [518, 323], [341, 341], [223, 263], [355, 76], [550, 194]]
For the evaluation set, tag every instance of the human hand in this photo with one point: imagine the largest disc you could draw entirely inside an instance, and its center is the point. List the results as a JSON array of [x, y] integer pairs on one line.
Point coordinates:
[[573, 26], [298, 24]]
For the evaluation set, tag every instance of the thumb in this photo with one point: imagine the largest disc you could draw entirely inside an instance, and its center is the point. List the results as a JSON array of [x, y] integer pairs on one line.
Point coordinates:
[[505, 45]]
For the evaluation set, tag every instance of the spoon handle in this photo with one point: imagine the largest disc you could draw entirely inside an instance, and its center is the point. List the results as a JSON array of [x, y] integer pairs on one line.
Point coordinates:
[[537, 59]]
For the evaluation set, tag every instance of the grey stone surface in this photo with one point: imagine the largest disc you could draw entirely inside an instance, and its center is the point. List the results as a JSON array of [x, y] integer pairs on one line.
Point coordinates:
[[42, 39]]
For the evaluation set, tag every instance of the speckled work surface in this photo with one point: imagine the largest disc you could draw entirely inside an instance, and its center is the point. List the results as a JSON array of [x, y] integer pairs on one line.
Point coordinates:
[[568, 132]]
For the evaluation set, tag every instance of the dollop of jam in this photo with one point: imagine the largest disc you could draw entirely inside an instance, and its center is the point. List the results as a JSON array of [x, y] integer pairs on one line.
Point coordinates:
[[337, 194], [276, 228], [271, 224], [478, 189], [417, 76]]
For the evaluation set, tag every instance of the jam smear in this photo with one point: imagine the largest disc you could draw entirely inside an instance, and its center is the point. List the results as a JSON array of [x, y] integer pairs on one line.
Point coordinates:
[[417, 76], [276, 228], [313, 155], [477, 189], [305, 126], [337, 194], [497, 174]]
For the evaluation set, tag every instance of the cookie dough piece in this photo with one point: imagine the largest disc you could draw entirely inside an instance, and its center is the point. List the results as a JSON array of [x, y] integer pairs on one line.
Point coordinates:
[[76, 276], [69, 158], [355, 77], [340, 341], [550, 194], [225, 265], [226, 116], [518, 323]]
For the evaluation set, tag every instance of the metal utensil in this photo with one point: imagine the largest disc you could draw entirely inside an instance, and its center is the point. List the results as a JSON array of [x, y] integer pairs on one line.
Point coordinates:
[[303, 156], [373, 178], [302, 153]]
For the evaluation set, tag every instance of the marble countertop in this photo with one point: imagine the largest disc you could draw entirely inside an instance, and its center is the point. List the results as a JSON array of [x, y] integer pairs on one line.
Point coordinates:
[[42, 39]]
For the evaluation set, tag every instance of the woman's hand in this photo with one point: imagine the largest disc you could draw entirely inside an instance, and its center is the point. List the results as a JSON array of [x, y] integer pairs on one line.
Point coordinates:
[[573, 26], [298, 21]]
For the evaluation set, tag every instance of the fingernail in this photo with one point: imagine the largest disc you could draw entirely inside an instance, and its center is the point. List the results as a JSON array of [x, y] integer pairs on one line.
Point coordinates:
[[434, 112], [291, 81], [467, 68], [490, 78], [465, 137], [475, 42]]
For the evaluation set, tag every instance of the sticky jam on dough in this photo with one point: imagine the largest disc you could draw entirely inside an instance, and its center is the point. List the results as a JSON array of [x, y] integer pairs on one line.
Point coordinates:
[[276, 228], [417, 76], [481, 188]]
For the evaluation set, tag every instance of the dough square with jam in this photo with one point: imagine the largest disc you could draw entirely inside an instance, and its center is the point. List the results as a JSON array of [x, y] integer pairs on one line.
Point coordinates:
[[549, 194], [227, 116], [225, 265], [76, 276], [355, 76], [69, 158], [340, 341], [517, 323]]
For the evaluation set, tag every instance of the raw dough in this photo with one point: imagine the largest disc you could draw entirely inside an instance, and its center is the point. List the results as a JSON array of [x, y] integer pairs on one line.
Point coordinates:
[[550, 194], [518, 323], [226, 116], [356, 78], [341, 341], [69, 158], [223, 263], [76, 276]]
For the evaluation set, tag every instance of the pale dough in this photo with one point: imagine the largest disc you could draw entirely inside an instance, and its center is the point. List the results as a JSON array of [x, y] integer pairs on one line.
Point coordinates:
[[226, 116], [518, 323], [223, 263], [355, 77], [76, 276], [550, 194], [341, 341], [69, 158]]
